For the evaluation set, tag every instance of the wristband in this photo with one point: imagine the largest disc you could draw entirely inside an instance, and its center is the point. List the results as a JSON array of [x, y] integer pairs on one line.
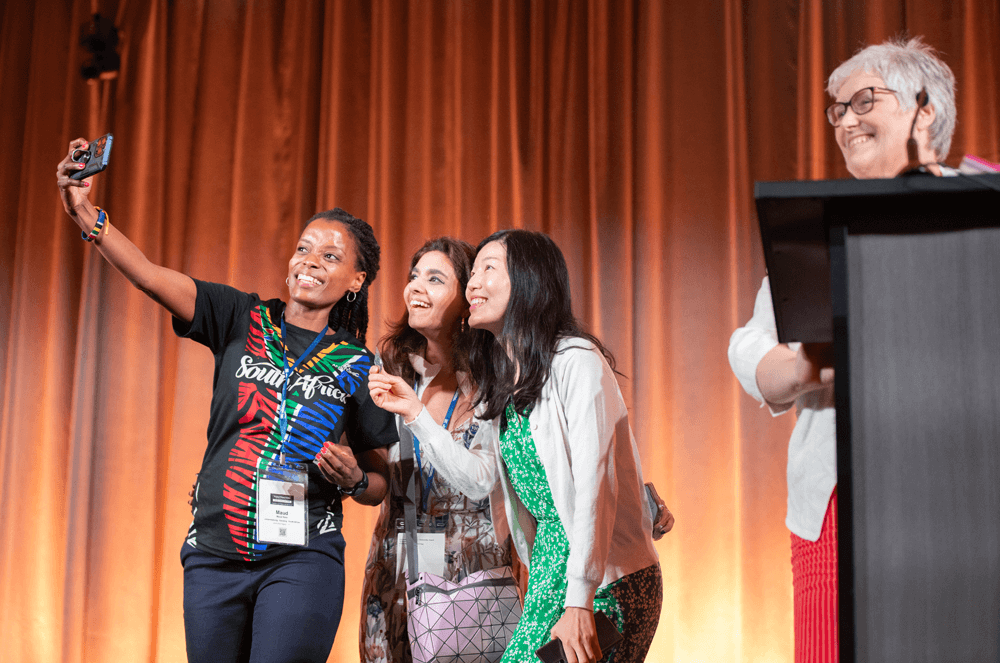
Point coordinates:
[[102, 218]]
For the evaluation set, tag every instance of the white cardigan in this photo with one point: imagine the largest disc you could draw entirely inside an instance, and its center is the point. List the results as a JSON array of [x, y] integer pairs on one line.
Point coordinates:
[[584, 441]]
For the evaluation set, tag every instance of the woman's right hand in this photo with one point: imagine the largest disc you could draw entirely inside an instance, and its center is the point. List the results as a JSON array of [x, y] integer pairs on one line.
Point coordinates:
[[578, 634], [392, 394], [74, 193], [171, 289]]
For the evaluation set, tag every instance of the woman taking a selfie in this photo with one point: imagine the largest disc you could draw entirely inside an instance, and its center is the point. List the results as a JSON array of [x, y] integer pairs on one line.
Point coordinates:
[[264, 556]]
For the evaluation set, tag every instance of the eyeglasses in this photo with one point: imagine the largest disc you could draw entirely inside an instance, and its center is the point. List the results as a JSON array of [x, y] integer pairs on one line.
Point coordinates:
[[860, 103]]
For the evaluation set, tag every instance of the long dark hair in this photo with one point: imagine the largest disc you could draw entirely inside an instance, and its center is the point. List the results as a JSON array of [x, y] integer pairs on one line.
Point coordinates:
[[539, 314], [353, 316], [403, 340]]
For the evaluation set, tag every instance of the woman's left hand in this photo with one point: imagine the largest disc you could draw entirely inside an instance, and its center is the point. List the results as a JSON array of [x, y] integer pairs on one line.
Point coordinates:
[[338, 465], [578, 634], [664, 521]]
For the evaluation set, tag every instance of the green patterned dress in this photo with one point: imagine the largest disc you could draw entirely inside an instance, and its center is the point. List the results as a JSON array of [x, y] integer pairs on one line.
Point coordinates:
[[543, 603]]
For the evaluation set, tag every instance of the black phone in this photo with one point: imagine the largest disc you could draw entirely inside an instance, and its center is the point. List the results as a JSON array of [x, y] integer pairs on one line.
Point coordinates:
[[652, 502], [95, 156], [608, 636]]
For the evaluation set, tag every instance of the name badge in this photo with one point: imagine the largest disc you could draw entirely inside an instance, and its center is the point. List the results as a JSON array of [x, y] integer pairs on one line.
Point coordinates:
[[282, 504], [430, 553]]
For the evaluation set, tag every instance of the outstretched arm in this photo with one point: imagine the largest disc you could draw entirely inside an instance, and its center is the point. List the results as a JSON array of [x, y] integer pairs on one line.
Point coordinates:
[[471, 470], [175, 291]]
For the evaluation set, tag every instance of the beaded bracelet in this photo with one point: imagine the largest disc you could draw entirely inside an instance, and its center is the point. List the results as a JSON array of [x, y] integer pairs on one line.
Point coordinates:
[[102, 218]]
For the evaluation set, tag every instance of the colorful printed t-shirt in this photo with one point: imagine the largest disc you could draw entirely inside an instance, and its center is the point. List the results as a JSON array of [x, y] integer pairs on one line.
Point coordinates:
[[327, 396]]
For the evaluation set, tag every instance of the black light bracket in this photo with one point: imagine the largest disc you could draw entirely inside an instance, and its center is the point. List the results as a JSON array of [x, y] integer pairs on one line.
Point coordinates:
[[99, 37]]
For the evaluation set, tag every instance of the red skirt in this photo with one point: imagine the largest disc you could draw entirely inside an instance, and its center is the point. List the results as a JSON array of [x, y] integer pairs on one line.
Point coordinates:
[[814, 579]]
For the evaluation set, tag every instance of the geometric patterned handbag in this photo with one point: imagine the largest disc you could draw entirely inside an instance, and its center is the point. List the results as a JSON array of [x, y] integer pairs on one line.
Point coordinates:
[[469, 621]]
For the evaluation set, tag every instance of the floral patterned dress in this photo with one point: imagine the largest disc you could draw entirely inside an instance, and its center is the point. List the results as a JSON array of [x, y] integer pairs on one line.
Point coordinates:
[[470, 546], [632, 602]]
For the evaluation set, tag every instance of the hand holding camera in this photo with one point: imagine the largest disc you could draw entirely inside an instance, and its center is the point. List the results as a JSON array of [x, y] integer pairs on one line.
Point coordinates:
[[94, 157], [85, 159]]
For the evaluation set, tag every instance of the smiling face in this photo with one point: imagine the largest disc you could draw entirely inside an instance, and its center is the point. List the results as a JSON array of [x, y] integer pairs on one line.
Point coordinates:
[[488, 291], [433, 296], [873, 144], [324, 265]]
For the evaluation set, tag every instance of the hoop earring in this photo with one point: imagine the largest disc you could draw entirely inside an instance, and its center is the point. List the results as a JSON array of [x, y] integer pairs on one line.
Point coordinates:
[[287, 283], [351, 296]]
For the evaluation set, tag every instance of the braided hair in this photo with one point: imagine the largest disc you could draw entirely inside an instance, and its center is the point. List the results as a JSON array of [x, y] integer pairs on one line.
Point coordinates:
[[353, 316]]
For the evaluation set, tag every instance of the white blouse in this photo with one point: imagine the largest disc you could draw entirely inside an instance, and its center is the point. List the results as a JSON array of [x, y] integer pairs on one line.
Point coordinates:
[[812, 449]]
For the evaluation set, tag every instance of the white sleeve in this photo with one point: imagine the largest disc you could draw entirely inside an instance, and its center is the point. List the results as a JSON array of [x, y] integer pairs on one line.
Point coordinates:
[[749, 344], [472, 471], [588, 390]]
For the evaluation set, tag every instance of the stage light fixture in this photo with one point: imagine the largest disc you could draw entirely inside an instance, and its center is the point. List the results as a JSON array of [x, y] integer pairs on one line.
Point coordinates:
[[99, 37]]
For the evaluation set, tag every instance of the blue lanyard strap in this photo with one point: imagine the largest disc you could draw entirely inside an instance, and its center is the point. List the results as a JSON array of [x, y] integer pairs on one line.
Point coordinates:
[[288, 372], [416, 449]]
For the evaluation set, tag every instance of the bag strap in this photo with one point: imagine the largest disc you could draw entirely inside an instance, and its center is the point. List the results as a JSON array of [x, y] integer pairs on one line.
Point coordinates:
[[409, 500]]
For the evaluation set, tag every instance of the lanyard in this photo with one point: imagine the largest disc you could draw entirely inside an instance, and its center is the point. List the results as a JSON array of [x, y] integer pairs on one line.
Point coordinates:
[[416, 449], [289, 371]]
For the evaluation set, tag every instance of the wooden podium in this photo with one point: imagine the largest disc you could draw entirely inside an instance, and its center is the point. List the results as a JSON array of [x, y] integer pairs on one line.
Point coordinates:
[[903, 275]]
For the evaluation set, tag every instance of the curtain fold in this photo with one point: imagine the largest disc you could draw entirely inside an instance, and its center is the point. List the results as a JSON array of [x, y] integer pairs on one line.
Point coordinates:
[[630, 130]]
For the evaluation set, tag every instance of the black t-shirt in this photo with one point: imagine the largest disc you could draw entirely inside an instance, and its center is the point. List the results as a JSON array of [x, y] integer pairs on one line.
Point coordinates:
[[327, 396]]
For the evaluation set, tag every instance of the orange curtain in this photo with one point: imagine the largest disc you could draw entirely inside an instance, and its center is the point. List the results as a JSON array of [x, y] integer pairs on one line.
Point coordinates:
[[631, 131]]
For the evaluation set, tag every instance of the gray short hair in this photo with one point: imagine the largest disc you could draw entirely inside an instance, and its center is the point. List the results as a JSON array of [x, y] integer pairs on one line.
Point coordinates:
[[906, 67]]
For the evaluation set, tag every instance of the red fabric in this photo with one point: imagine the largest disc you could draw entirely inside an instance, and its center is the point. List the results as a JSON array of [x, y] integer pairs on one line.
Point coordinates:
[[632, 131], [814, 578]]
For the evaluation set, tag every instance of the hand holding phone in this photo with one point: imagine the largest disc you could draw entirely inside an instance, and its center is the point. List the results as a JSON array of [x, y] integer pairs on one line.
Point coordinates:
[[656, 508], [608, 636], [95, 157]]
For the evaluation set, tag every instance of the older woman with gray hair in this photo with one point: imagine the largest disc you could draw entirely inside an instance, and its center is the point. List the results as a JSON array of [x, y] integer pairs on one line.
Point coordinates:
[[894, 111]]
